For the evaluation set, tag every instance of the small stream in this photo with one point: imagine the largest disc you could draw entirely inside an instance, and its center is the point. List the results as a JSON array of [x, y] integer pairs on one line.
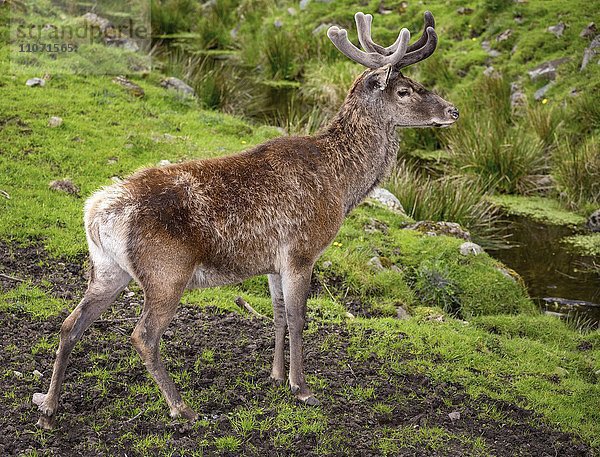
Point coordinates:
[[559, 280]]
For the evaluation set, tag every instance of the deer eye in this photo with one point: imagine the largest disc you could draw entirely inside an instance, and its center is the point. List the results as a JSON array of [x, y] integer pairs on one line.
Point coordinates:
[[403, 93]]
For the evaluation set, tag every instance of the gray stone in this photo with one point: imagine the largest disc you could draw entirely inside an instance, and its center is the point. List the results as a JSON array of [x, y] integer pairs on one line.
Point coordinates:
[[55, 121], [491, 72], [387, 199], [304, 4], [589, 31], [292, 11], [278, 24], [36, 82], [470, 248], [463, 10], [177, 85], [327, 264], [593, 222], [100, 22], [541, 92], [547, 70], [488, 48], [454, 415], [375, 264], [557, 29], [401, 313], [590, 52], [504, 35]]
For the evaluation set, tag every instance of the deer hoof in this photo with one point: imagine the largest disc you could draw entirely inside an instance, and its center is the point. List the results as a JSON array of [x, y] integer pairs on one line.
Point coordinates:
[[185, 412], [277, 381], [46, 422]]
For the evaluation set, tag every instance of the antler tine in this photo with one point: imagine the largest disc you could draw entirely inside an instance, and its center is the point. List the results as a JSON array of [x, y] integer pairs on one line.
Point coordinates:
[[363, 26], [339, 37], [420, 54]]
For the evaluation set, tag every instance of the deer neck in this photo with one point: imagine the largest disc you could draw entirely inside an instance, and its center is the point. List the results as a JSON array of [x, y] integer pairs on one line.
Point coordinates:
[[361, 149]]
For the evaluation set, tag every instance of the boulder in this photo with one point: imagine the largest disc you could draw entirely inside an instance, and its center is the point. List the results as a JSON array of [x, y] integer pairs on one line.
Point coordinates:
[[593, 222], [469, 248], [177, 85], [387, 199], [590, 52], [547, 70], [557, 29]]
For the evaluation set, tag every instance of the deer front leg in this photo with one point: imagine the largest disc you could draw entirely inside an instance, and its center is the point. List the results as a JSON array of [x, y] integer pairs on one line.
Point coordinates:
[[278, 370], [296, 285]]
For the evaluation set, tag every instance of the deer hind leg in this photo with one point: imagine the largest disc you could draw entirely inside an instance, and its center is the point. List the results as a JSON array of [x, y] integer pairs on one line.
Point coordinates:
[[106, 283], [296, 285], [159, 310], [278, 371]]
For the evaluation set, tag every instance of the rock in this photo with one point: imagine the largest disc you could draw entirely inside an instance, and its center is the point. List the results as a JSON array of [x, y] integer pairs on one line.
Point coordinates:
[[470, 248], [327, 264], [517, 96], [488, 48], [374, 226], [490, 72], [440, 228], [178, 85], [37, 374], [18, 374], [454, 415], [375, 264], [130, 86], [278, 24], [64, 185], [463, 10], [33, 82], [557, 29], [589, 31], [387, 199], [593, 222], [101, 23], [547, 70], [164, 163], [518, 18], [292, 11], [55, 121], [504, 35], [304, 4], [590, 52], [541, 92], [508, 274], [401, 313]]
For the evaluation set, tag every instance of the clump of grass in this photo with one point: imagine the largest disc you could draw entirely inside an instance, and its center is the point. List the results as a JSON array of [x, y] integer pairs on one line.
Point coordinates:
[[577, 172], [456, 199], [435, 288], [545, 121], [173, 16]]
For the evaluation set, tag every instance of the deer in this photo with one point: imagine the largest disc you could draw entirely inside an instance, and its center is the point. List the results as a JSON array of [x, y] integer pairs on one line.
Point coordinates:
[[270, 210]]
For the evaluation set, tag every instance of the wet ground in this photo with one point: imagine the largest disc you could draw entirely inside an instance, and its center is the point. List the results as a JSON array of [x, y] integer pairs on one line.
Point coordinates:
[[99, 418]]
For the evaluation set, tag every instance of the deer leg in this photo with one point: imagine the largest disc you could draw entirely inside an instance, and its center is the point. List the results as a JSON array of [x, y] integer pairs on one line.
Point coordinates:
[[159, 310], [278, 371], [296, 286], [104, 287]]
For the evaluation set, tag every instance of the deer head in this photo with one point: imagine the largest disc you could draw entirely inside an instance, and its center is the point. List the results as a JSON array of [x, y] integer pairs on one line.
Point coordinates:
[[396, 98]]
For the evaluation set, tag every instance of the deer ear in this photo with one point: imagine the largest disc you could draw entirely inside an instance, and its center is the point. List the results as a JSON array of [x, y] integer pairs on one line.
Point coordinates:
[[380, 78]]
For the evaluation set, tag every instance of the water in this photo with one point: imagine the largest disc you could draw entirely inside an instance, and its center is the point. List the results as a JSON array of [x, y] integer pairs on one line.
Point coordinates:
[[550, 270]]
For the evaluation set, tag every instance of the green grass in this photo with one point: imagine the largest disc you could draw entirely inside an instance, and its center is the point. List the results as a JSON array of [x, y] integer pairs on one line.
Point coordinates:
[[540, 209]]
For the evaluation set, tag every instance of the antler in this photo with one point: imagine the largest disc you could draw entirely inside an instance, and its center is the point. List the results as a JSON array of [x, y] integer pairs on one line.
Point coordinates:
[[416, 52], [339, 37]]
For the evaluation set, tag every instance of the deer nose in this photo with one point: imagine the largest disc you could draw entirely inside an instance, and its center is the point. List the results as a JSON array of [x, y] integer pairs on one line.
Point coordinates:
[[453, 112]]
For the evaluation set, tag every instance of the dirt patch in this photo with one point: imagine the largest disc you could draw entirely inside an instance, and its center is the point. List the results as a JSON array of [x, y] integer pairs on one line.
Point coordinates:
[[227, 360]]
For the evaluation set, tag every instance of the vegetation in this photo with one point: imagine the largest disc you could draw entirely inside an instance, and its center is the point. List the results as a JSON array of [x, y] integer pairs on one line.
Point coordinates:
[[469, 326]]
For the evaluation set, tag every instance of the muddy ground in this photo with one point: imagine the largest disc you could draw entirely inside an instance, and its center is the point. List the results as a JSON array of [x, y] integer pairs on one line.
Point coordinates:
[[243, 348]]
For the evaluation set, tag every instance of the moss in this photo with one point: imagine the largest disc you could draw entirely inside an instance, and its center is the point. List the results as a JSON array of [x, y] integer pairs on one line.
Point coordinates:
[[540, 209], [584, 244]]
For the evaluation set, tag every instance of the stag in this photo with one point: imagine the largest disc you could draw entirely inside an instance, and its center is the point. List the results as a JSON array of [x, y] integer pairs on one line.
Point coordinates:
[[269, 210]]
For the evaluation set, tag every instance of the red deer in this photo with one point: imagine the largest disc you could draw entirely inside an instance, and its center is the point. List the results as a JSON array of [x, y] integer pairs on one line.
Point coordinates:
[[270, 210]]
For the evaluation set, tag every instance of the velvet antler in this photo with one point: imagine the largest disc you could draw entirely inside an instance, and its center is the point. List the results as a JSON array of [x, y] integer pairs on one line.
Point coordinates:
[[416, 52]]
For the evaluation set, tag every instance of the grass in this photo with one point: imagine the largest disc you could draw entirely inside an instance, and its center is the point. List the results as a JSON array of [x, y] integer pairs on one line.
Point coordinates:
[[540, 209], [506, 351]]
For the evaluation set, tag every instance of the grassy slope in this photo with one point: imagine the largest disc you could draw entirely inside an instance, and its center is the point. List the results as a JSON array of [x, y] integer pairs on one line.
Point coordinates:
[[504, 356]]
